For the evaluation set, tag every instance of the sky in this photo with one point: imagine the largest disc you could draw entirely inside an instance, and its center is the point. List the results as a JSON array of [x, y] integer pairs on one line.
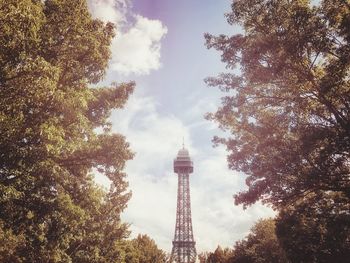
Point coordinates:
[[160, 45]]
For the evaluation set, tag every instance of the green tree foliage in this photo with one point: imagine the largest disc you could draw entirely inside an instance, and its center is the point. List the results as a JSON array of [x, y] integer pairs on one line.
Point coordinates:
[[9, 244], [218, 256], [320, 234], [260, 246], [51, 52], [288, 110], [144, 249]]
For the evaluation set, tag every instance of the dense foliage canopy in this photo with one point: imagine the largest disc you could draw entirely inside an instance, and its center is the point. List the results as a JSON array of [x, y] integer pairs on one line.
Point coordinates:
[[316, 229], [260, 246], [144, 249], [51, 52], [287, 111], [287, 107], [219, 255]]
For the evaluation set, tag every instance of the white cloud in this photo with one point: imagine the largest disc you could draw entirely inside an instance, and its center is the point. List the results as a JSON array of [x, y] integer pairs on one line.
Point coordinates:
[[216, 220], [136, 47], [154, 138], [138, 50], [109, 10]]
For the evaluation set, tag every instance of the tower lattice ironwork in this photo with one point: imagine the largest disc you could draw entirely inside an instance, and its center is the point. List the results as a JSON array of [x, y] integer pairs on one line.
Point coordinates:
[[184, 250]]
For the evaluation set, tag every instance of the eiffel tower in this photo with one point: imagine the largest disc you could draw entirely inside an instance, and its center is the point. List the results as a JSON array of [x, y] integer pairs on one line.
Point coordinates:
[[183, 250]]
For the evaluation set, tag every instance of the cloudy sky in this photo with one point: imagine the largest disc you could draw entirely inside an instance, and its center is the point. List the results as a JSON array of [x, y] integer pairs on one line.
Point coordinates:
[[160, 45]]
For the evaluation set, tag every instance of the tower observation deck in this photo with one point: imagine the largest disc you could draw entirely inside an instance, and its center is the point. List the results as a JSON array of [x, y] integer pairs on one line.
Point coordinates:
[[183, 250]]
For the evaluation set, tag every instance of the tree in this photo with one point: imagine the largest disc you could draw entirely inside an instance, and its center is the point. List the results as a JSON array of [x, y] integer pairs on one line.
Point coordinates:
[[218, 256], [203, 256], [260, 246], [144, 249], [320, 234], [288, 110], [9, 244], [50, 208]]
